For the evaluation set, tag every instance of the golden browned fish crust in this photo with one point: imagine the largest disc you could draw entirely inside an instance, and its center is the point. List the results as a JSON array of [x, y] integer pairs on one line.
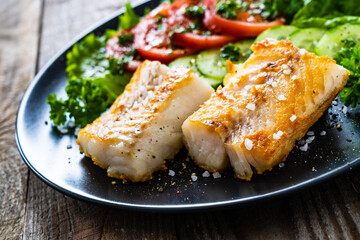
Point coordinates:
[[266, 105], [143, 126]]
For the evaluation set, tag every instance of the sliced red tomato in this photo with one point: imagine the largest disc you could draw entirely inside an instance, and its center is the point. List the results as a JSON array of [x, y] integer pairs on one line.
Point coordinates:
[[199, 38], [198, 41], [115, 50], [152, 37], [245, 25]]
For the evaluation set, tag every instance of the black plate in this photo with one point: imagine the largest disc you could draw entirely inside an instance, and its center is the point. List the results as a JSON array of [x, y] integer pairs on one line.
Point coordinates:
[[56, 160]]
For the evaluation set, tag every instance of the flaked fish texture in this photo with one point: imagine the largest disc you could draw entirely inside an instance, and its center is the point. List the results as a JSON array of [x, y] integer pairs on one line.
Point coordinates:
[[267, 104], [143, 126]]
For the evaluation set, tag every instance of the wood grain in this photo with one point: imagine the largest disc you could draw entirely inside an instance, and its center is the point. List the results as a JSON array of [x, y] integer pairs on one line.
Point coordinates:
[[31, 31], [18, 50]]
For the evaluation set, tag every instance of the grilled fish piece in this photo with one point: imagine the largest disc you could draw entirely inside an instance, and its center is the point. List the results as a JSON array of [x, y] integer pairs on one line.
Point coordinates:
[[267, 104], [143, 126]]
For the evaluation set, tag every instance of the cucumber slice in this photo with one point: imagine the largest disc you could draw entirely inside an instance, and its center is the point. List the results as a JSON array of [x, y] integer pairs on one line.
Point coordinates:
[[307, 38], [190, 62], [210, 64], [333, 39], [187, 61], [278, 33], [245, 49]]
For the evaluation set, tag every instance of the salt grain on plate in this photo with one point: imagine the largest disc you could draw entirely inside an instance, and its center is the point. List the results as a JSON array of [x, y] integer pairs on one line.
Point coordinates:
[[63, 129], [304, 148], [301, 142], [171, 173], [281, 97], [206, 174], [292, 118], [216, 175], [310, 139], [250, 106], [194, 178], [248, 144], [334, 103], [322, 133], [310, 133], [281, 164], [345, 110], [71, 124], [77, 130]]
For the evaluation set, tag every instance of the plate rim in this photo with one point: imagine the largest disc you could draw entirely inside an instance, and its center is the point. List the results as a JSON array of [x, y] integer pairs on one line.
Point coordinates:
[[150, 207]]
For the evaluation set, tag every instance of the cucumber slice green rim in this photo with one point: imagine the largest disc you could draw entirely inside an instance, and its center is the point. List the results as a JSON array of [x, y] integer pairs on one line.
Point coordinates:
[[307, 38], [333, 39], [277, 33], [190, 62], [210, 64]]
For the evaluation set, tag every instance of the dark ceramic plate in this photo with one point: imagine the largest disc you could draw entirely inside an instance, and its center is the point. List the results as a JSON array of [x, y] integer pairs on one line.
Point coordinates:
[[55, 158]]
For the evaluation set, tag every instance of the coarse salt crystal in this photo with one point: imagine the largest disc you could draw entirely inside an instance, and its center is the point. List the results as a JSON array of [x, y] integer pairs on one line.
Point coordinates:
[[71, 124], [304, 148], [206, 174], [77, 130], [310, 133], [301, 142], [63, 129], [194, 178], [281, 97], [274, 84], [248, 144], [216, 175], [294, 77], [292, 118], [284, 66], [334, 103], [345, 110], [287, 72], [322, 133], [171, 173], [250, 106], [310, 139], [278, 134], [302, 51]]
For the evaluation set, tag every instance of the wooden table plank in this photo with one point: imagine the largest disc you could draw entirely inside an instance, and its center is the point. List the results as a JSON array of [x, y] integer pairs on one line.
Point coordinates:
[[328, 211], [18, 49]]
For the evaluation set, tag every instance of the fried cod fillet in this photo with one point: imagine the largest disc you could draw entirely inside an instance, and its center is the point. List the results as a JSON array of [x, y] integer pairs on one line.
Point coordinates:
[[143, 126], [267, 104]]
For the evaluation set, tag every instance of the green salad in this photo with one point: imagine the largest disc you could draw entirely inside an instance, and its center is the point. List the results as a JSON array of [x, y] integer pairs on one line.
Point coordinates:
[[95, 78]]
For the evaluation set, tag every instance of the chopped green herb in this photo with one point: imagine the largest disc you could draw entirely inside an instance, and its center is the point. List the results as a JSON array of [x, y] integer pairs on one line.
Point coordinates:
[[129, 19], [85, 103], [349, 57], [159, 18], [195, 11], [147, 10], [228, 9], [230, 52], [125, 39]]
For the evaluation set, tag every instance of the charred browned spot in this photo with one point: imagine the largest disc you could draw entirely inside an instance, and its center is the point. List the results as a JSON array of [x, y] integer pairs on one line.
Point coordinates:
[[271, 65]]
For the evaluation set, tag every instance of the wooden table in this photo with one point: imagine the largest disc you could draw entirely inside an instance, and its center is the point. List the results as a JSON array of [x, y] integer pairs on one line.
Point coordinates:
[[31, 31]]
